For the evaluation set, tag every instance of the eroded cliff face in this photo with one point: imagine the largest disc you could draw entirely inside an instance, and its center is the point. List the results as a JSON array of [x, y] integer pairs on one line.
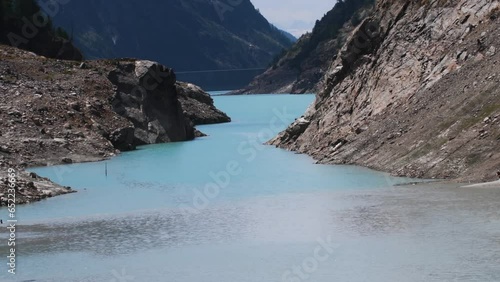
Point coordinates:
[[198, 105], [208, 35], [160, 108], [414, 91], [147, 96]]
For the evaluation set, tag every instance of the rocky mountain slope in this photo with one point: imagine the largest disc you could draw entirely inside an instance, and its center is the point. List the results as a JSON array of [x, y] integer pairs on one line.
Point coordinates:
[[301, 68], [196, 35], [414, 91], [55, 112]]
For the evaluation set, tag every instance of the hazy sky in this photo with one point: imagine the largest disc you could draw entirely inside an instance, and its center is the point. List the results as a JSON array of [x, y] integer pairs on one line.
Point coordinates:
[[294, 16]]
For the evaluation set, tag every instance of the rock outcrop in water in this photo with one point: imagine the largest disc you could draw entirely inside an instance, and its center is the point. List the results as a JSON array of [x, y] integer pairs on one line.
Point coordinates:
[[198, 105], [60, 112], [147, 96], [160, 108], [24, 25], [418, 98]]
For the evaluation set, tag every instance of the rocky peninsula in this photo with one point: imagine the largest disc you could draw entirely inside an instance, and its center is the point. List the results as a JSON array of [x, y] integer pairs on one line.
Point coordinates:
[[61, 112]]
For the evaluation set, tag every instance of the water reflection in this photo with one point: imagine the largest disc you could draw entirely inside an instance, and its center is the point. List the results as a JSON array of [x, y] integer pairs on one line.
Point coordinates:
[[399, 234]]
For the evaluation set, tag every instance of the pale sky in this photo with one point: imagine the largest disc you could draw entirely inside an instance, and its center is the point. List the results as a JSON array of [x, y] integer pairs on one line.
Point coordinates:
[[294, 16]]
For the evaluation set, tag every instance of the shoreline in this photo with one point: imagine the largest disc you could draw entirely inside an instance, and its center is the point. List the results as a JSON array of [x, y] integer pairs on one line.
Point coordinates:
[[65, 112], [484, 185], [31, 187], [48, 188]]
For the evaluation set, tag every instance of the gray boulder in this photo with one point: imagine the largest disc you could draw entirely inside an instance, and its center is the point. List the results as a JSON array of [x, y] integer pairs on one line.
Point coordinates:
[[146, 95]]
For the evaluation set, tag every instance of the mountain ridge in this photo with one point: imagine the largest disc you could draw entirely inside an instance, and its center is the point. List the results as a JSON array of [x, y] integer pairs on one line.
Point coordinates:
[[189, 36], [300, 69]]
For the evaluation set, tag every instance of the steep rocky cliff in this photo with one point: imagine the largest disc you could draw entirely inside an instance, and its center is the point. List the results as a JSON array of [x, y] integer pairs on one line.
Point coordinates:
[[55, 112], [414, 91]]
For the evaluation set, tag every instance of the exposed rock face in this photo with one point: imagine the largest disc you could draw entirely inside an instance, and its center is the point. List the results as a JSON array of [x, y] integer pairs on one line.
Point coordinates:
[[365, 39], [419, 99], [61, 112], [198, 105], [146, 95]]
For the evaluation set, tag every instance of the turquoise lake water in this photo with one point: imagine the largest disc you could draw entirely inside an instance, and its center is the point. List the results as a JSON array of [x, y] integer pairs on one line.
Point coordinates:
[[226, 208]]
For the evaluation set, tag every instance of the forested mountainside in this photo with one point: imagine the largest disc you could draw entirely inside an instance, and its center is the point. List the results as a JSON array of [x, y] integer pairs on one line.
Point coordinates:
[[189, 36], [301, 68], [24, 25]]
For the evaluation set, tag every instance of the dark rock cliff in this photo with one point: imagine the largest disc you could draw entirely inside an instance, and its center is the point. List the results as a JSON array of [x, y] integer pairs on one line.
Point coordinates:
[[146, 95]]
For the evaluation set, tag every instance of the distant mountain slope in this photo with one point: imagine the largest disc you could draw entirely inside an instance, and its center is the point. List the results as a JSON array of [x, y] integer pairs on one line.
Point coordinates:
[[24, 25], [301, 68], [194, 35], [60, 112], [287, 34]]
